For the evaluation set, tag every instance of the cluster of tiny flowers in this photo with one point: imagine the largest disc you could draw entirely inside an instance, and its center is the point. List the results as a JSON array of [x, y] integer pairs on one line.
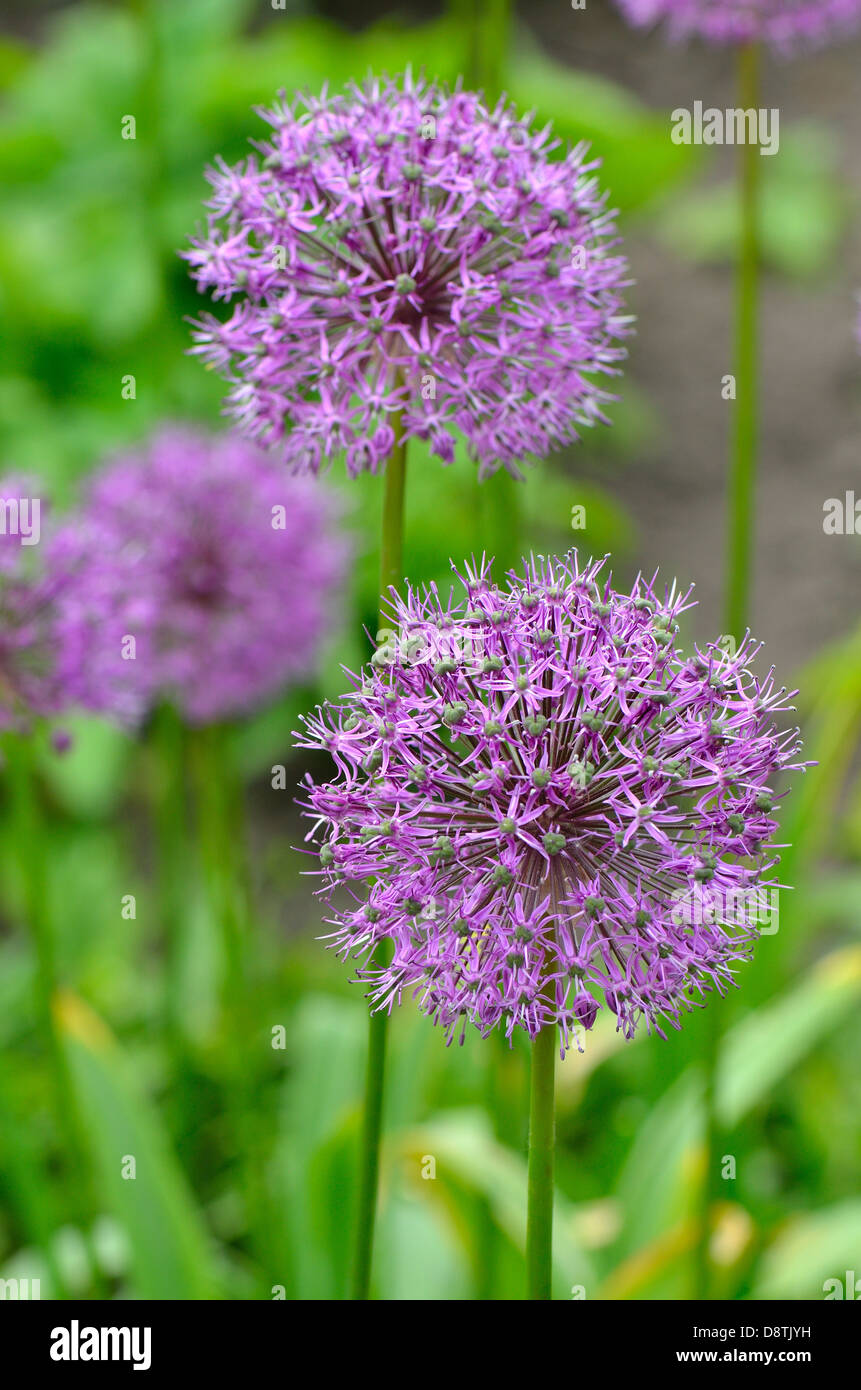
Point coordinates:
[[534, 778], [786, 25], [41, 654], [400, 250], [206, 577]]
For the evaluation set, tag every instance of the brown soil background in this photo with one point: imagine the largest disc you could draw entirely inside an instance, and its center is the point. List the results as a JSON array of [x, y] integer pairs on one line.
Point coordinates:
[[806, 583]]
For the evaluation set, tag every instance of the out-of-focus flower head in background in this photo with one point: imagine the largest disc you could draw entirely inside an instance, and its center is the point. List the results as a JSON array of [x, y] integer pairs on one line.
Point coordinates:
[[221, 568], [786, 25]]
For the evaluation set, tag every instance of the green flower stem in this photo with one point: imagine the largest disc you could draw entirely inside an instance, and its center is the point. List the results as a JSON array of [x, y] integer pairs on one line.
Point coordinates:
[[222, 830], [487, 27], [170, 817], [742, 485], [28, 838], [542, 1138], [391, 574], [741, 536]]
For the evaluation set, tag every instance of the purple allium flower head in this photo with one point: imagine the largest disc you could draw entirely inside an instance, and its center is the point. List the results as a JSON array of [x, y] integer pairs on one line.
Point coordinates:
[[557, 809], [221, 567], [39, 655], [401, 250], [786, 25]]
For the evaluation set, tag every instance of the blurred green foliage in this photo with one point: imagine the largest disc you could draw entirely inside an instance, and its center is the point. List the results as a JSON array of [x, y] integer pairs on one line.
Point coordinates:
[[91, 289]]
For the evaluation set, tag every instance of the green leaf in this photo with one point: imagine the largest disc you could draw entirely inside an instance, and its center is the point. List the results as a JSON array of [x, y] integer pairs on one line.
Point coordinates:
[[652, 1188], [809, 1251], [171, 1256], [764, 1047], [312, 1180], [467, 1155]]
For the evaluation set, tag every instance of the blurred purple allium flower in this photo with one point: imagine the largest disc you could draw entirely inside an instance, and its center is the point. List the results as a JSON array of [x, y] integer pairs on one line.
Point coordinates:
[[221, 567], [557, 809], [401, 248], [40, 656], [786, 25]]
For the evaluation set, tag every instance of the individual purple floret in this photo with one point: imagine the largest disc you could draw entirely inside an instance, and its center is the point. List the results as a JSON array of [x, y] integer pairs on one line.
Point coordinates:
[[40, 655], [400, 250], [558, 811], [220, 568], [787, 25]]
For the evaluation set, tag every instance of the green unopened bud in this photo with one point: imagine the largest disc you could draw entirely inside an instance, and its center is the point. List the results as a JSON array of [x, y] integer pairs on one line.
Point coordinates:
[[454, 714], [553, 843], [581, 771], [443, 850]]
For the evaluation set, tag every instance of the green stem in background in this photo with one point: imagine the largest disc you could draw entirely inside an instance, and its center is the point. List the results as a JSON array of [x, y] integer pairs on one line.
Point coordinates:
[[542, 1139], [742, 485], [28, 837], [487, 24], [741, 539], [170, 816], [501, 520], [391, 574], [505, 1103], [223, 848]]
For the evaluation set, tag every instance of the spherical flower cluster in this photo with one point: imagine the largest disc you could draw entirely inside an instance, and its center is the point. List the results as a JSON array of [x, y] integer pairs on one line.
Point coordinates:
[[557, 810], [40, 652], [206, 577], [786, 25], [401, 257]]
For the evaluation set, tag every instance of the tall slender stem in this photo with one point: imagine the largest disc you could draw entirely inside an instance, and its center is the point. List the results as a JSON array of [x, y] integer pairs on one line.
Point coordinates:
[[28, 832], [742, 486], [170, 816], [391, 575], [542, 1139], [224, 855], [741, 540]]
